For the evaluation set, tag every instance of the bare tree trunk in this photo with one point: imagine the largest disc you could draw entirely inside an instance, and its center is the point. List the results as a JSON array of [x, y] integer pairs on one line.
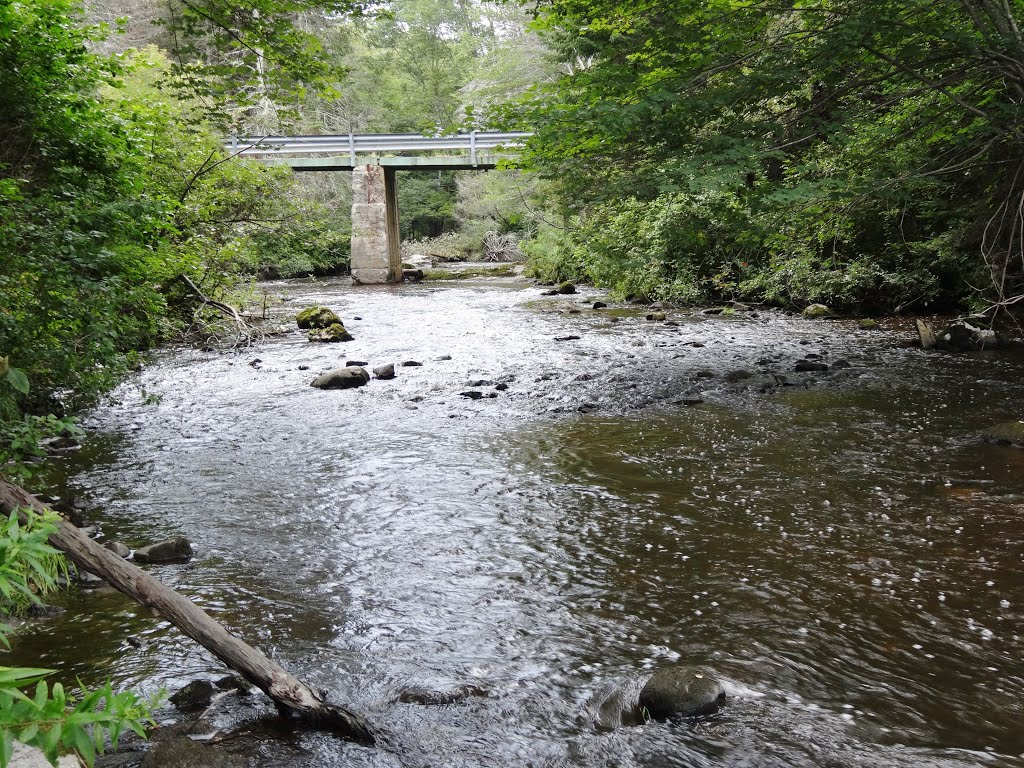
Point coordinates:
[[291, 695]]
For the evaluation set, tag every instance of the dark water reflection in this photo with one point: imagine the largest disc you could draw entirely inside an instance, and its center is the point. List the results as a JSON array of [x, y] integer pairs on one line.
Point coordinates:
[[847, 556]]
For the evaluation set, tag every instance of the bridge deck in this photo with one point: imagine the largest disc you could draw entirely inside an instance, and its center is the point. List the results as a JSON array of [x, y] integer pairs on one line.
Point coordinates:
[[463, 151]]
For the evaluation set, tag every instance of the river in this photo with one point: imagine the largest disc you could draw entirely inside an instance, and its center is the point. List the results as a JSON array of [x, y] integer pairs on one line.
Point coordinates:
[[845, 552]]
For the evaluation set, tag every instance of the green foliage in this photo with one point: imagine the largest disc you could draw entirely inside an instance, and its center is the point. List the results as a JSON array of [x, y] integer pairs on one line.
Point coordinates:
[[29, 566], [869, 153], [52, 720]]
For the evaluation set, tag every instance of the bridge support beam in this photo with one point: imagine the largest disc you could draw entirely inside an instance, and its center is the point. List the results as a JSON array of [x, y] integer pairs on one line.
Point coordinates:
[[375, 253]]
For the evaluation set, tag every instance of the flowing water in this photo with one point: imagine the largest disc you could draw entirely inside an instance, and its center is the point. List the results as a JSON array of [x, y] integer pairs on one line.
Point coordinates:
[[845, 553]]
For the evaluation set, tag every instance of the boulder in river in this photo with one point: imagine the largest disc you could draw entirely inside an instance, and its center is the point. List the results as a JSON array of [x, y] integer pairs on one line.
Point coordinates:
[[566, 288], [385, 372], [430, 698], [681, 692], [316, 317], [656, 316], [1007, 432], [174, 550], [965, 335], [183, 752], [867, 324], [816, 311], [342, 378], [810, 365], [332, 333], [119, 549]]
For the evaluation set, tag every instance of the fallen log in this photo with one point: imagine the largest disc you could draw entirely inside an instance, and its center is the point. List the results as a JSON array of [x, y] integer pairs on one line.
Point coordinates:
[[291, 695]]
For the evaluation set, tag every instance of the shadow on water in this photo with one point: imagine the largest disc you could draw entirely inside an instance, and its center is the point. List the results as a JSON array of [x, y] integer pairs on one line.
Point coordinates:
[[844, 552]]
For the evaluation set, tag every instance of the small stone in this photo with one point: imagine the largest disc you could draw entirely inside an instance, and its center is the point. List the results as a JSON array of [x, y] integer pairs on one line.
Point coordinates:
[[40, 611], [501, 387], [411, 364], [656, 316], [444, 357], [566, 338], [356, 363], [841, 364], [385, 372], [174, 550], [566, 288], [472, 394], [342, 378], [552, 292], [303, 367], [736, 376], [599, 305], [255, 362], [119, 549], [480, 383], [356, 317], [714, 311]]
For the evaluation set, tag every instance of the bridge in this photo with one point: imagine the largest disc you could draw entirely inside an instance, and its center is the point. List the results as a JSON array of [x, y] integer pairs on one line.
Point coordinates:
[[374, 160]]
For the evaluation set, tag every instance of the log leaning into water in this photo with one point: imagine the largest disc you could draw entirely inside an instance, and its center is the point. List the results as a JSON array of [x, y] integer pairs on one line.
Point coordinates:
[[291, 695]]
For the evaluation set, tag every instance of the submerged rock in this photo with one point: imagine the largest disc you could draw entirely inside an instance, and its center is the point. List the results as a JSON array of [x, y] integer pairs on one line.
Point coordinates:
[[342, 378], [817, 310], [316, 317], [680, 692], [193, 697], [656, 316], [1007, 432], [182, 752], [428, 698], [332, 333], [810, 365], [174, 550], [867, 324]]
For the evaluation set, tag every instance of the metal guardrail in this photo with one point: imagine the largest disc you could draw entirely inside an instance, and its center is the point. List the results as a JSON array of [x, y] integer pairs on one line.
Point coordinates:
[[357, 144]]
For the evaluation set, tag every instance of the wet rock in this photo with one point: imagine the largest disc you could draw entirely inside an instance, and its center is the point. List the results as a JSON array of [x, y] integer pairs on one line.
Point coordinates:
[[182, 752], [689, 400], [1011, 432], [255, 362], [119, 760], [573, 312], [681, 692], [614, 319], [552, 292], [332, 333], [342, 378], [356, 363], [193, 697], [480, 383], [428, 698], [840, 364], [24, 756], [40, 611], [809, 365], [316, 317], [703, 374], [303, 367], [714, 311], [443, 357], [88, 580], [412, 275], [501, 387], [816, 311], [174, 550], [964, 335], [233, 683], [385, 372], [599, 305], [566, 288], [867, 324], [738, 375], [566, 338], [411, 364], [656, 316], [472, 394], [119, 549]]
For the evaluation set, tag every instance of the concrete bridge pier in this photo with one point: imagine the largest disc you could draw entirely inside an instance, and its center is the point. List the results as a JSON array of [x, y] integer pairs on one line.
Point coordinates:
[[375, 253]]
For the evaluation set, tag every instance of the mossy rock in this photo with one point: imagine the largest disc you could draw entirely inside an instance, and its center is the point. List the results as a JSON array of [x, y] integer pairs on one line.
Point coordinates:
[[816, 311], [867, 324], [566, 288], [1006, 432], [334, 332], [316, 317], [681, 692]]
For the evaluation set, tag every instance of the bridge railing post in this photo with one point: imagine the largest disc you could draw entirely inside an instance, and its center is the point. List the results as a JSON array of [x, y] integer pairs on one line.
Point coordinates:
[[352, 149], [472, 148]]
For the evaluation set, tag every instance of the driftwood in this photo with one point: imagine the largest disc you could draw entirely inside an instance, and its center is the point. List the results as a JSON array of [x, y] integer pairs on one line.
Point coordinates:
[[292, 696], [218, 305]]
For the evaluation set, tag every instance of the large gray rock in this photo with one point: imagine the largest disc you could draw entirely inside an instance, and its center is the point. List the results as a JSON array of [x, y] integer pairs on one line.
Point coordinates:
[[195, 696], [385, 372], [342, 378], [175, 550], [817, 310], [680, 692]]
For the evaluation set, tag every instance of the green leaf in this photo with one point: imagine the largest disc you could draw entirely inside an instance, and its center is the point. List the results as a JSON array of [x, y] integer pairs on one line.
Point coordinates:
[[17, 379]]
